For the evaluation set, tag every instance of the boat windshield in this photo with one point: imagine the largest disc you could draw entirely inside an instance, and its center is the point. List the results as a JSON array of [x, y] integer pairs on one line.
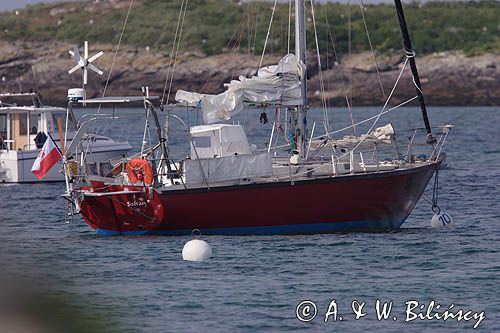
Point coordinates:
[[60, 117]]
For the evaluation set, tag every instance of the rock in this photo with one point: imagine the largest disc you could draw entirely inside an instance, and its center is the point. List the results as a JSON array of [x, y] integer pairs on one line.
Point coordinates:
[[448, 78]]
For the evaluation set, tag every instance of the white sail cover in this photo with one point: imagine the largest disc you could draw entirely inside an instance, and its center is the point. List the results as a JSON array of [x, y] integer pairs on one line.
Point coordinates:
[[276, 84], [228, 168]]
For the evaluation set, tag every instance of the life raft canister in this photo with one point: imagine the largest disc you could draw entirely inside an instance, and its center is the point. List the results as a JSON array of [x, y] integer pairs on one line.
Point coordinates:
[[139, 169]]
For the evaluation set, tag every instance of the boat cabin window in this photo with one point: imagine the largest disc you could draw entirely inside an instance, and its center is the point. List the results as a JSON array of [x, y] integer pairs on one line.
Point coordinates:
[[19, 130], [202, 141], [35, 123], [23, 124], [3, 130]]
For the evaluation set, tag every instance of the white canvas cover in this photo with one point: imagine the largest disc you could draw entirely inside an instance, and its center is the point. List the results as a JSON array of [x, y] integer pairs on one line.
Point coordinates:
[[228, 168], [218, 140], [384, 134], [380, 135], [278, 84]]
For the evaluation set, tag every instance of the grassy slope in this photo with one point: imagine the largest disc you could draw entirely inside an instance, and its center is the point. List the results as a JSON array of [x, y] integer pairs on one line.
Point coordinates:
[[213, 25]]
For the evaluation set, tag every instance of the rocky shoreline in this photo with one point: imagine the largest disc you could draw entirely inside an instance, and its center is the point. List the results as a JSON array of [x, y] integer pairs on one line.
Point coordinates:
[[448, 78]]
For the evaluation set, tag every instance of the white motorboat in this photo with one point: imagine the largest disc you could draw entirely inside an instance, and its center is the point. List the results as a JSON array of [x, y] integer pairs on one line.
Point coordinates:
[[24, 129]]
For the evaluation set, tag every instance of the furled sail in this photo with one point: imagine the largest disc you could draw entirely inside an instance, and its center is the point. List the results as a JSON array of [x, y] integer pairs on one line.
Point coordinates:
[[276, 84]]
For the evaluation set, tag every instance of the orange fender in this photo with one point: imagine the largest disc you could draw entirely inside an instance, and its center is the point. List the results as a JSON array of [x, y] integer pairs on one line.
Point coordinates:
[[139, 169]]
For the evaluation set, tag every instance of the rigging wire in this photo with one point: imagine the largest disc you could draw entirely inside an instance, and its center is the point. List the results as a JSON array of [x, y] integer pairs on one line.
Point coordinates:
[[349, 33], [116, 53], [268, 31], [183, 14], [289, 25], [376, 117], [327, 46], [342, 73], [212, 82], [256, 15], [322, 84], [248, 28], [362, 8], [172, 54], [349, 47]]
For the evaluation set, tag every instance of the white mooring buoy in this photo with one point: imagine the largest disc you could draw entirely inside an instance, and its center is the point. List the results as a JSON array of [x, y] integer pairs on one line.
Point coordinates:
[[196, 249], [441, 220]]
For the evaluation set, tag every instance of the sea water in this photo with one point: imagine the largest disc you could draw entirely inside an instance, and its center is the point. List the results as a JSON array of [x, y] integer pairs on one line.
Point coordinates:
[[273, 283]]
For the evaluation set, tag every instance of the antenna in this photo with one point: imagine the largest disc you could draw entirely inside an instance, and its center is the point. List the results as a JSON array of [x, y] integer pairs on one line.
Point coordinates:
[[84, 63]]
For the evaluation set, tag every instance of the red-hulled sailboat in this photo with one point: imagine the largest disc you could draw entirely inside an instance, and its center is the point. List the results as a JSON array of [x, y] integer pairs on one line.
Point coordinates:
[[227, 186]]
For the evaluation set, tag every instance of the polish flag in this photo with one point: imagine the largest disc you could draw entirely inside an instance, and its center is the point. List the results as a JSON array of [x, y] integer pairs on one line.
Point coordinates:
[[48, 156]]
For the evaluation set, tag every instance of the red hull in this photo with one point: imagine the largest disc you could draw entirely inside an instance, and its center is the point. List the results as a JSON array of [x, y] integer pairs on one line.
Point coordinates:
[[363, 202]]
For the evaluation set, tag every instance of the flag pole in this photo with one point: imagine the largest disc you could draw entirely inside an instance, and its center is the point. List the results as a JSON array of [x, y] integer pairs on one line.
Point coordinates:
[[55, 144], [59, 127]]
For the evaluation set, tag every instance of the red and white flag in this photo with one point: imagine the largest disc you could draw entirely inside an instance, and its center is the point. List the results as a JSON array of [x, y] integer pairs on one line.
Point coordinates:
[[48, 156]]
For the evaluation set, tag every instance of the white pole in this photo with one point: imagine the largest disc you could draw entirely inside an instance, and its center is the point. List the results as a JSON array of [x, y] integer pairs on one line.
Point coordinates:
[[301, 53], [271, 139], [310, 141]]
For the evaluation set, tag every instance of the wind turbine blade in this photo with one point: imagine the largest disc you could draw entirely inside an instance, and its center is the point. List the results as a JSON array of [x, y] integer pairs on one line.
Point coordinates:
[[95, 69], [72, 70], [86, 50], [84, 75], [95, 56]]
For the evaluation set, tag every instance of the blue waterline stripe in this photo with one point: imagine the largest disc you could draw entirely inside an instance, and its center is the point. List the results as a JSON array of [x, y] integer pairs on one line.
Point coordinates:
[[267, 230]]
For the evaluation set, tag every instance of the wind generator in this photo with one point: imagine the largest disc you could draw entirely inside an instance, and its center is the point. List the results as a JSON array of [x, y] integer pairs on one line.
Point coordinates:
[[84, 63]]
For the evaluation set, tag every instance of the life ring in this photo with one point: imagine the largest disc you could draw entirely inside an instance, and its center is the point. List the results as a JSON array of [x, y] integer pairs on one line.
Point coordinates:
[[139, 169]]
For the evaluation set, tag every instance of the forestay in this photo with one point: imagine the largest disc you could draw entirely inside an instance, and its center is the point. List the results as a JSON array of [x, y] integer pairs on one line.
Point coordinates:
[[276, 84]]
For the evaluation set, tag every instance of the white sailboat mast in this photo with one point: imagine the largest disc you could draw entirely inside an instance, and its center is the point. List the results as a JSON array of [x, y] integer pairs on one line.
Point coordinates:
[[301, 53]]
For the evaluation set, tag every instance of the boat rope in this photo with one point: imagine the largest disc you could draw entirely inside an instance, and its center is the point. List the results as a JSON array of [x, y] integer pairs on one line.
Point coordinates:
[[362, 8], [176, 44], [446, 130], [412, 54], [116, 53], [320, 71], [435, 188], [268, 32]]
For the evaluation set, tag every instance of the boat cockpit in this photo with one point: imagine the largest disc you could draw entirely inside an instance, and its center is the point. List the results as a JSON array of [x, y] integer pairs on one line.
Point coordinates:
[[27, 127]]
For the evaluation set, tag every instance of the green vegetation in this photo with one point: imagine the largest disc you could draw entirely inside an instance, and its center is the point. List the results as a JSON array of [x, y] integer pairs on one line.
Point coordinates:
[[217, 26]]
